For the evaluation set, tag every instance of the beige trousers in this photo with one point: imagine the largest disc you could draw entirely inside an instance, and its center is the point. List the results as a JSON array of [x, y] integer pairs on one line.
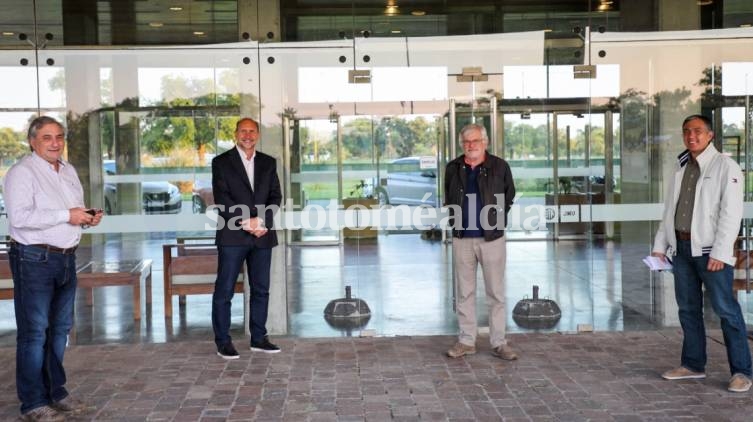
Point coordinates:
[[468, 253]]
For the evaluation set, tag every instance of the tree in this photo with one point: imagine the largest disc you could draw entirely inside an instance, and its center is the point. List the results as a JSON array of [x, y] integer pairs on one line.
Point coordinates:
[[107, 133], [317, 147], [394, 136], [357, 138], [425, 135], [12, 145], [711, 81], [523, 141], [633, 106], [192, 122], [161, 134], [596, 140]]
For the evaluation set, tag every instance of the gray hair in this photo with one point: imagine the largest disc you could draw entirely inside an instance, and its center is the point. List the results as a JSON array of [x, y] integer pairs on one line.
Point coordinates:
[[37, 124], [474, 126]]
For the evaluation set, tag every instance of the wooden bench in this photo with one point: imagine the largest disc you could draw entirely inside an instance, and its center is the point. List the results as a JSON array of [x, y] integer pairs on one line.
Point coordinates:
[[743, 279], [6, 278], [190, 269], [95, 274]]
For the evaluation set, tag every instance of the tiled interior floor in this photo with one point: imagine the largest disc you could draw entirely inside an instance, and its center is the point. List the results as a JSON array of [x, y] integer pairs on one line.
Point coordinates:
[[405, 280]]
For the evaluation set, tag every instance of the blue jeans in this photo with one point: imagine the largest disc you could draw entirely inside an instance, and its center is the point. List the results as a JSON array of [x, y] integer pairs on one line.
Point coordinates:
[[44, 288], [690, 273], [229, 262]]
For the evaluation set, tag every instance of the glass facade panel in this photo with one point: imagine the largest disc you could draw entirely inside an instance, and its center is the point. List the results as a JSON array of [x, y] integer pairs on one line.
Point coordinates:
[[672, 80], [376, 118]]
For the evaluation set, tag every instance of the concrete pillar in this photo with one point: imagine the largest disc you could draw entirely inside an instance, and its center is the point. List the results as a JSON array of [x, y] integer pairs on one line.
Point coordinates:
[[259, 19], [270, 143], [638, 15], [127, 147], [678, 15], [80, 22], [82, 98], [277, 322], [123, 22], [84, 143]]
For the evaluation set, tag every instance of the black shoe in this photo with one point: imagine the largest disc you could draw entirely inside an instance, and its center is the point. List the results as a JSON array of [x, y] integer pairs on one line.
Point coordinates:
[[228, 352], [265, 346]]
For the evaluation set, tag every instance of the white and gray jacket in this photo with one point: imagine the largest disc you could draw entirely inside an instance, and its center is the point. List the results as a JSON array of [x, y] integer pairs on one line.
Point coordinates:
[[717, 211]]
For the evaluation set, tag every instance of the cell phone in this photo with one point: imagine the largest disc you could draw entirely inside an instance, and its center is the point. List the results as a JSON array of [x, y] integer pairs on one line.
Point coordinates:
[[91, 211]]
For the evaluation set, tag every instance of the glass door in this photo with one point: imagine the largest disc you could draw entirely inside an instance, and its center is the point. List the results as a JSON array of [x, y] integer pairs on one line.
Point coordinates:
[[561, 161], [528, 150], [479, 110], [314, 176], [736, 142], [571, 171], [403, 165]]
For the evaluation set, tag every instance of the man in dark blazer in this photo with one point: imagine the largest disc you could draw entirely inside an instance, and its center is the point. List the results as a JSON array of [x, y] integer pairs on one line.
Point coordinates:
[[245, 186]]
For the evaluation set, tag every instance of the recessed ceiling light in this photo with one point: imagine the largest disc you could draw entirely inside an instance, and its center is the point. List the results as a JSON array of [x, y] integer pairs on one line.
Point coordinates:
[[604, 5], [396, 31], [8, 33], [176, 8], [156, 24], [199, 33], [391, 10], [418, 12]]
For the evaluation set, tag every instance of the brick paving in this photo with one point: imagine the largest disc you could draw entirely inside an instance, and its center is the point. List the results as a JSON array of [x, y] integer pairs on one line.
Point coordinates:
[[604, 376]]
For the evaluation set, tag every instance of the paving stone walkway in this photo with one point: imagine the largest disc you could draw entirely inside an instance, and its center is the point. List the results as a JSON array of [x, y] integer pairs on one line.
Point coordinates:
[[610, 376]]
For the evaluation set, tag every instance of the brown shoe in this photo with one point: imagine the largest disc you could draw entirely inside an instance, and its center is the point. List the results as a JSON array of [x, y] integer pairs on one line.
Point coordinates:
[[69, 405], [504, 352], [682, 373], [739, 383], [460, 349], [43, 414]]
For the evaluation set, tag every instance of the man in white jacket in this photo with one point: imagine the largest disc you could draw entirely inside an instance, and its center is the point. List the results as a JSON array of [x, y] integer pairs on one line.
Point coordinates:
[[703, 208]]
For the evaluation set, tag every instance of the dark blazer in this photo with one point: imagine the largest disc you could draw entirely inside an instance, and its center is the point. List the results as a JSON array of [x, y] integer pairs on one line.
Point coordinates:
[[231, 187]]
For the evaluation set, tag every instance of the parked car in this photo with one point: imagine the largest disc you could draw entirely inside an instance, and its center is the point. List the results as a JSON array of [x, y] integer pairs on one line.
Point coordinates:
[[406, 183], [156, 197], [202, 196]]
